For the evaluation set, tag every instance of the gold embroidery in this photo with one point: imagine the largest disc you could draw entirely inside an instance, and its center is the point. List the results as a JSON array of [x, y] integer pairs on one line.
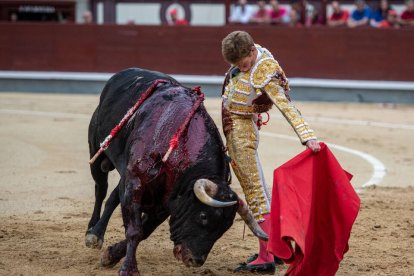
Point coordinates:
[[239, 97], [244, 88], [263, 72], [226, 92], [289, 111], [249, 109], [240, 129], [238, 92], [242, 146]]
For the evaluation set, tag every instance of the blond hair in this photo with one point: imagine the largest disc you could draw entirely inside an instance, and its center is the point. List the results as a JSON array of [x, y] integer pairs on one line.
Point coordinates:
[[236, 45]]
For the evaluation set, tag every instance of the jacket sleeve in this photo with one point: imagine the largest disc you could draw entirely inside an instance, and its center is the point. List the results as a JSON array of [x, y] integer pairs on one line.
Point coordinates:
[[268, 77], [276, 93]]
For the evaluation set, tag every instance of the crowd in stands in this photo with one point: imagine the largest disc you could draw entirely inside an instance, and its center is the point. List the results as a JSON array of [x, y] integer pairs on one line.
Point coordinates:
[[383, 15], [294, 13]]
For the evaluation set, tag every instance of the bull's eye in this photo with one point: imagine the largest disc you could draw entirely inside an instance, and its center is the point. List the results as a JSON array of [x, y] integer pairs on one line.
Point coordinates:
[[203, 218]]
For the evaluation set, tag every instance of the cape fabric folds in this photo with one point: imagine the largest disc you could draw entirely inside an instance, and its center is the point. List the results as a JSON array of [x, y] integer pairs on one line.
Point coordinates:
[[313, 209]]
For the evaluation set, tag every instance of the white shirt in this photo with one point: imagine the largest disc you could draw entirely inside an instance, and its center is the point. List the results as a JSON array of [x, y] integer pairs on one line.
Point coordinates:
[[240, 16]]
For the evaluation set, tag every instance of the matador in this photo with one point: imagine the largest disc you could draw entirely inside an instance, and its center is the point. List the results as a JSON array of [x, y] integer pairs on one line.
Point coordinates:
[[254, 83]]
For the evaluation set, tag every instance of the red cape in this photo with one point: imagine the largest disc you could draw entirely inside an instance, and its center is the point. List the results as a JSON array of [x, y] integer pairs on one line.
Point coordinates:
[[314, 205]]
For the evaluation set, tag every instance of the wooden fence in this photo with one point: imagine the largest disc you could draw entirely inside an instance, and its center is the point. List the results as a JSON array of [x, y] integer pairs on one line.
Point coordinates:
[[317, 52]]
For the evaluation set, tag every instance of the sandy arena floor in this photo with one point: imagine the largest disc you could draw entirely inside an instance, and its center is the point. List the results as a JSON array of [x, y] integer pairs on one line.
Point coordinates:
[[47, 193]]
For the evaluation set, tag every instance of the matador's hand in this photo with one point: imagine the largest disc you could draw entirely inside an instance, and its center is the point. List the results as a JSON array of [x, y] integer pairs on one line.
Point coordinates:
[[313, 145]]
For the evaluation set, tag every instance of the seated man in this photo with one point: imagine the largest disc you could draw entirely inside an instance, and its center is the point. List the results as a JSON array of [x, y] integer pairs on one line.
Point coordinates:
[[380, 15], [294, 15], [407, 16], [87, 17], [241, 13], [360, 16], [276, 13], [392, 20], [339, 16], [261, 16], [175, 20]]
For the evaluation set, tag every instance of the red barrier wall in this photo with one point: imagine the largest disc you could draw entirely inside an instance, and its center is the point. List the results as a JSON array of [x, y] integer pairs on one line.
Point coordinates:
[[318, 52]]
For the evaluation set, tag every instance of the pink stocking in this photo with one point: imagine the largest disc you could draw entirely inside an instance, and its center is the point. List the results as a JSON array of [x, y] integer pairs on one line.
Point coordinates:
[[264, 256]]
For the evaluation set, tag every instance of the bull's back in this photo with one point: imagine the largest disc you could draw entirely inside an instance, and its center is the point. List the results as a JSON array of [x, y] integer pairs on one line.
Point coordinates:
[[124, 89], [120, 93]]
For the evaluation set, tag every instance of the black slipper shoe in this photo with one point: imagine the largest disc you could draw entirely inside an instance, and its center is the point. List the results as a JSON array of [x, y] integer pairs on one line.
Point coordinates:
[[254, 257], [266, 268]]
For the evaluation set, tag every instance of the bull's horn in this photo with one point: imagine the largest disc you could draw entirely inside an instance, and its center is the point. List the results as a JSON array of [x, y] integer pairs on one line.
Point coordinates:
[[248, 218], [204, 189]]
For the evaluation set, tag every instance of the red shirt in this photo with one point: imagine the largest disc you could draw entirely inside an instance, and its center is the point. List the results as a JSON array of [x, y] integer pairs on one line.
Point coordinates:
[[277, 14], [407, 15], [180, 22], [341, 16], [260, 14]]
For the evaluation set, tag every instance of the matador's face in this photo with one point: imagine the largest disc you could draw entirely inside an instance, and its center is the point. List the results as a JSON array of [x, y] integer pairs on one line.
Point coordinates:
[[246, 63]]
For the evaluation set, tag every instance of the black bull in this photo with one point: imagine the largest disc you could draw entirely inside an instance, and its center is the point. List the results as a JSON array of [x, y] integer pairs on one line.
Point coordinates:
[[192, 186]]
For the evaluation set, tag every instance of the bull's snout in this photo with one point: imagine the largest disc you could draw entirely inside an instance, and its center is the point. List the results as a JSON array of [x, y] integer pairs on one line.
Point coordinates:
[[183, 254], [194, 262]]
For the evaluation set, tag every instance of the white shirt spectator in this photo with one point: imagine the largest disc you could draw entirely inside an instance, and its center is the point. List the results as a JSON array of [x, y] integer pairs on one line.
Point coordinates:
[[241, 14]]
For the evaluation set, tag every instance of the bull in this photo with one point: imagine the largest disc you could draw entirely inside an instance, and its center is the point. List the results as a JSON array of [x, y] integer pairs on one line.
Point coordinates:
[[191, 186]]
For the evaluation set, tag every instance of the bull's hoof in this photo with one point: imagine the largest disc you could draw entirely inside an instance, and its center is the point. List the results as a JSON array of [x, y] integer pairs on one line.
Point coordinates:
[[107, 260], [92, 241], [129, 273], [129, 268]]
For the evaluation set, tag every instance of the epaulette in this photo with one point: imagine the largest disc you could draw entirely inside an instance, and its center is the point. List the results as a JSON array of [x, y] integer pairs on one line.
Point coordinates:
[[263, 71]]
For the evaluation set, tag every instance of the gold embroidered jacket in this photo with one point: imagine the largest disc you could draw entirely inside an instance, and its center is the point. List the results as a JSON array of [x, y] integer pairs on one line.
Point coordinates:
[[257, 90]]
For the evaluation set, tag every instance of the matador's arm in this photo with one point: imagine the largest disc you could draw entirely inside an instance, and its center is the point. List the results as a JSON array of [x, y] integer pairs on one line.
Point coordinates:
[[269, 77], [277, 94]]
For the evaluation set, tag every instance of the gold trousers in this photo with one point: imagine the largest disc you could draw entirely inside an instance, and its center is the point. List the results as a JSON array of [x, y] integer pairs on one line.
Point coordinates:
[[242, 142]]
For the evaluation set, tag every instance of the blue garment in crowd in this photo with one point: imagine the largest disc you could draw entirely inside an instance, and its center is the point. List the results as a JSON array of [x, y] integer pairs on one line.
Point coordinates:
[[377, 15], [359, 15]]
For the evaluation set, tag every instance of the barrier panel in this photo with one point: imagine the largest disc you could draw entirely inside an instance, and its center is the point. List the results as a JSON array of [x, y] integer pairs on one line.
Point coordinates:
[[316, 52]]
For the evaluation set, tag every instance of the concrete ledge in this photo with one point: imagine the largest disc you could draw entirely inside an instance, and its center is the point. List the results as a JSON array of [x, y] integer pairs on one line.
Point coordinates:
[[301, 89]]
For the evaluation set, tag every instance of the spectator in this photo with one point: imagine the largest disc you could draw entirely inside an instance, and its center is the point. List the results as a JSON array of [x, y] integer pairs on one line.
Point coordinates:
[[174, 20], [294, 15], [276, 13], [392, 19], [241, 13], [310, 14], [13, 17], [407, 16], [261, 16], [380, 15], [87, 17], [339, 16], [130, 22], [360, 16]]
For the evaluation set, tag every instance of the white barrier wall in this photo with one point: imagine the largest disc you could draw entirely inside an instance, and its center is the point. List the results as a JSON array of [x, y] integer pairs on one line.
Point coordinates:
[[208, 14], [138, 13]]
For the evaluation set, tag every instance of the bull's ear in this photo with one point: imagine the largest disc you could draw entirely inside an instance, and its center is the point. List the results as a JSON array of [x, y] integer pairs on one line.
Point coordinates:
[[174, 201]]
